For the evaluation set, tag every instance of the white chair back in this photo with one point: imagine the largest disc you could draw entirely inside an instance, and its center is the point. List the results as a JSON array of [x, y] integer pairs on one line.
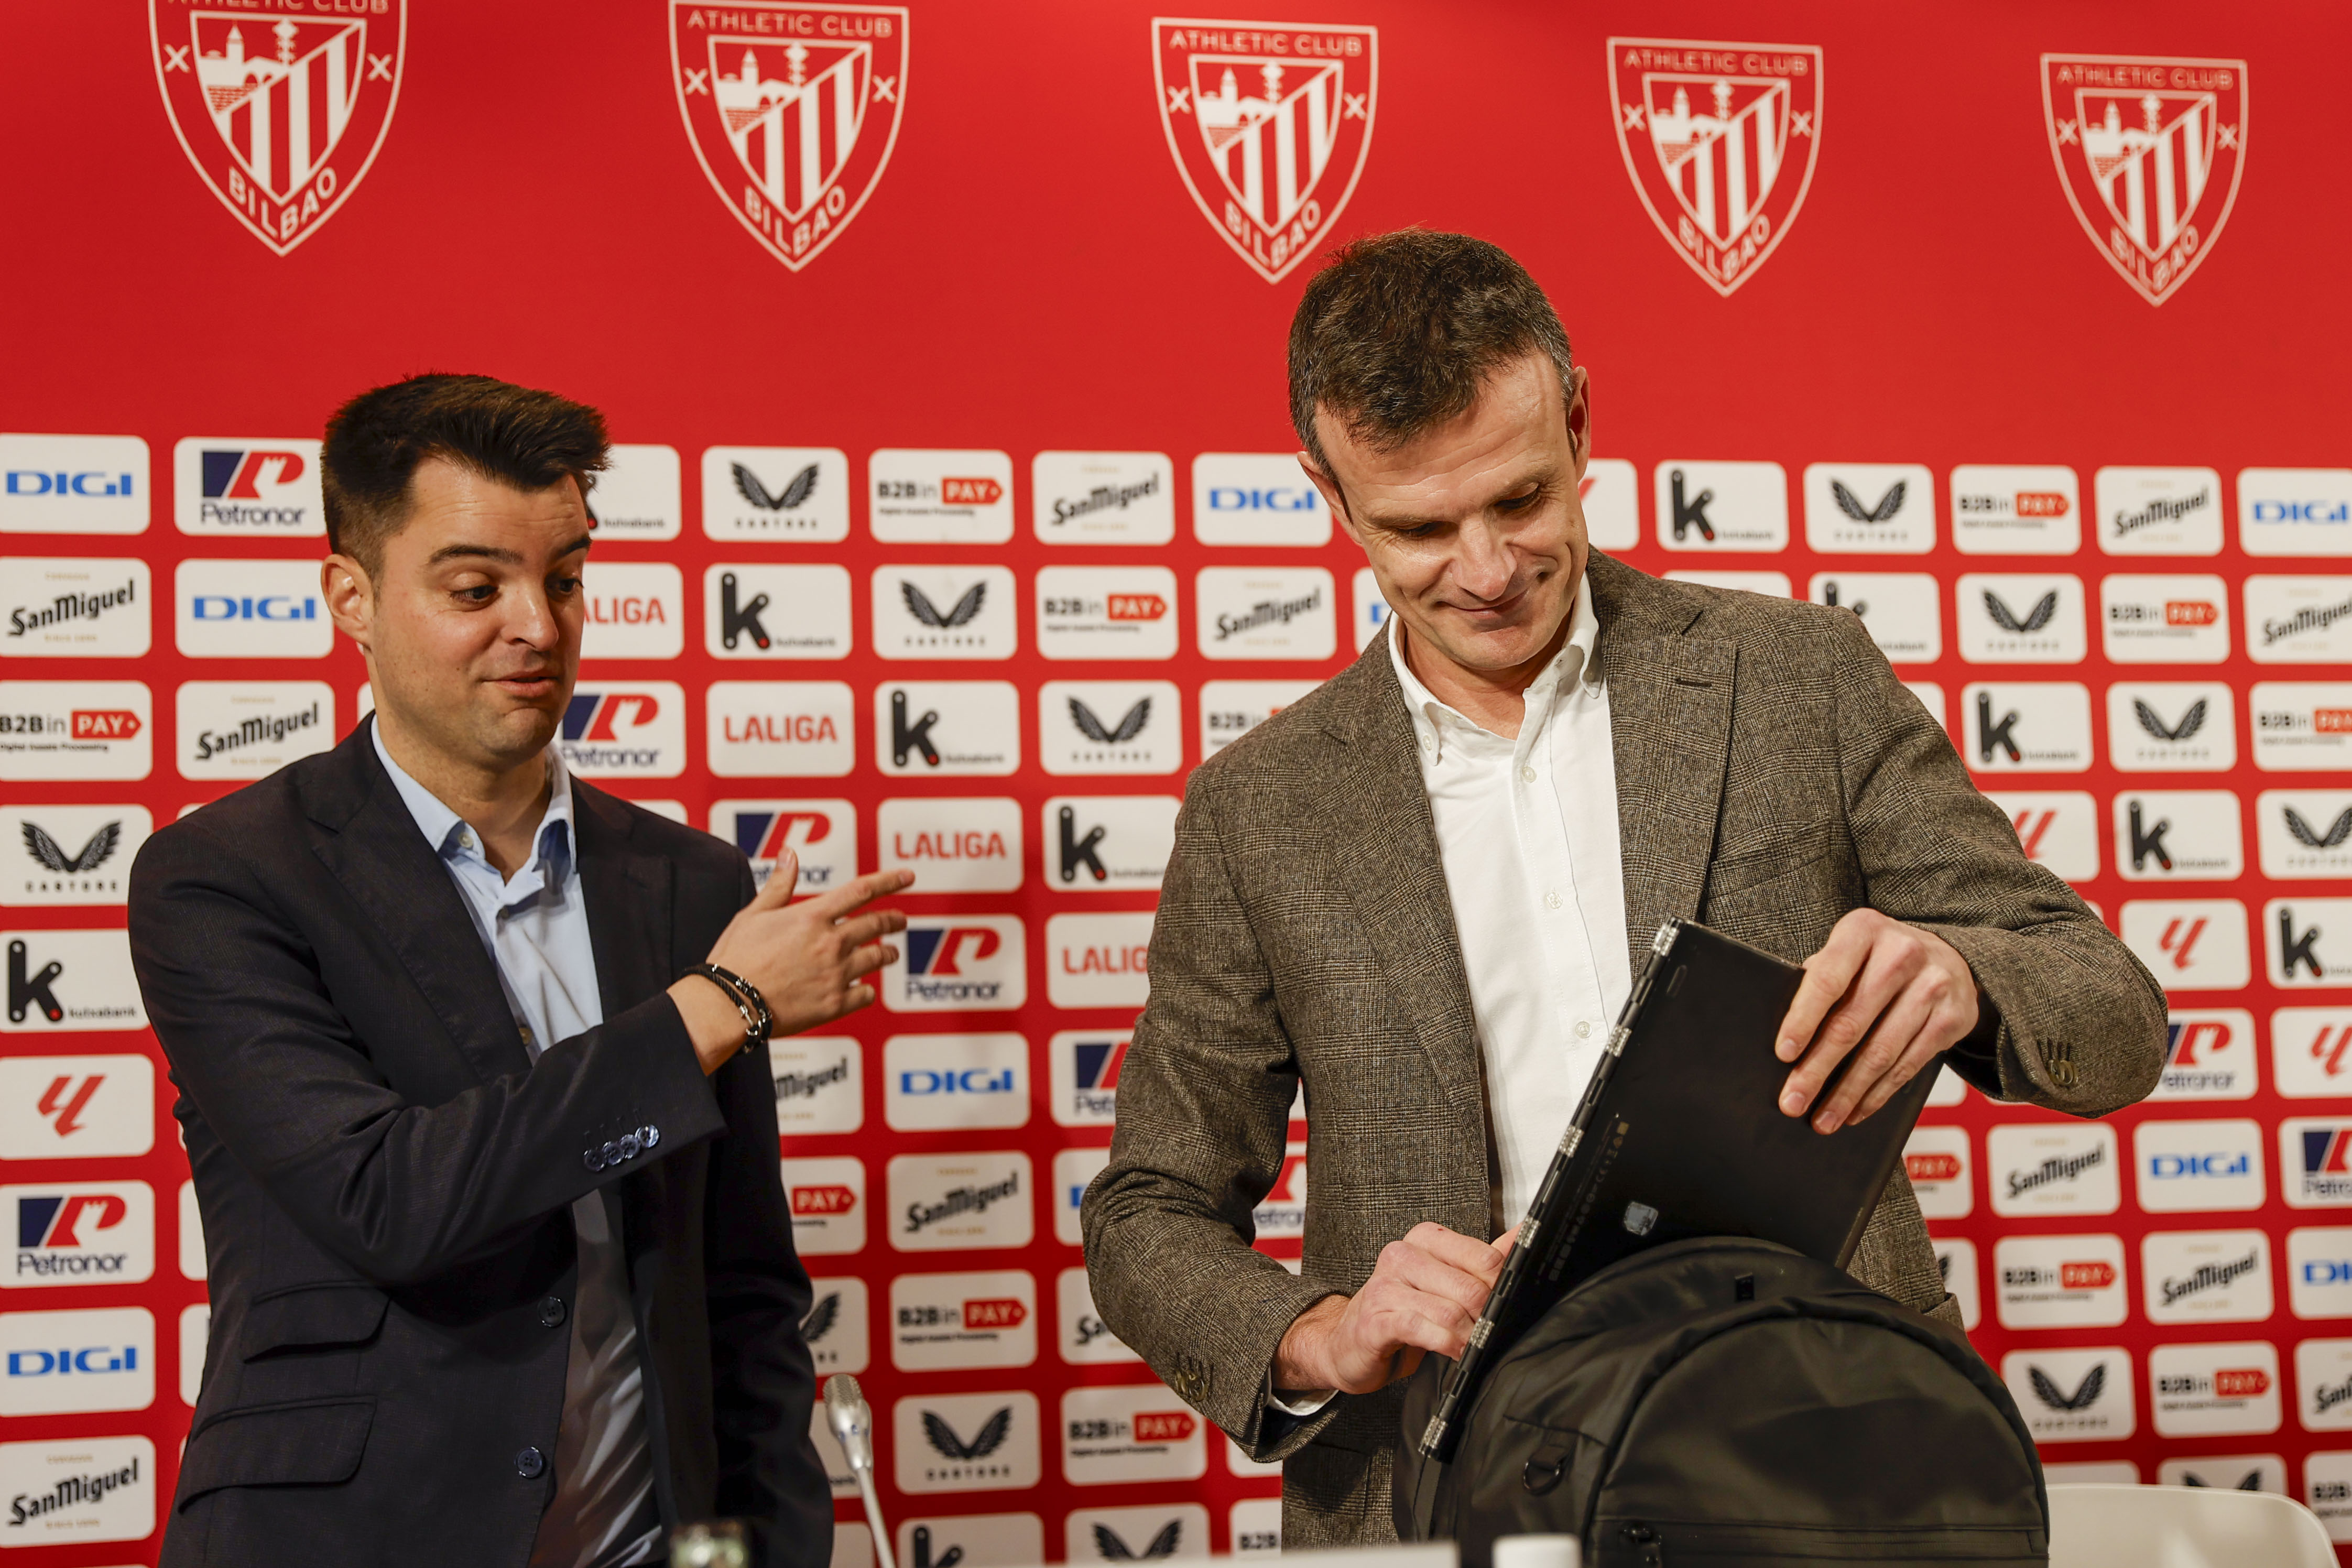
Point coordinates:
[[2182, 1527]]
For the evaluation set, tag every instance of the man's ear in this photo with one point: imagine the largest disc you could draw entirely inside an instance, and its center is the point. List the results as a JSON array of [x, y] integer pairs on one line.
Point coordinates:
[[350, 594], [1333, 496], [1579, 417]]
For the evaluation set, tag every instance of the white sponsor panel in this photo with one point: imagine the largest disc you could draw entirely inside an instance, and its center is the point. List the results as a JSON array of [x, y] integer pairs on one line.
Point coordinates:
[[1082, 1078], [2305, 835], [1103, 498], [973, 1541], [1903, 611], [953, 844], [1114, 1535], [2301, 726], [1956, 1258], [80, 1233], [2208, 1054], [2327, 1491], [247, 485], [2311, 1052], [942, 1322], [2323, 1381], [822, 833], [1257, 498], [247, 729], [1232, 709], [1109, 726], [927, 728], [2294, 511], [631, 609], [2073, 1395], [820, 1083], [192, 1264], [754, 610], [2189, 944], [2178, 835], [64, 982], [1098, 961], [58, 729], [76, 607], [827, 1197], [958, 963], [1870, 509], [954, 1203], [73, 484], [945, 612], [966, 1442], [1086, 1340], [2008, 510], [2164, 620], [1772, 585], [2315, 1162], [1256, 1526], [2299, 620], [1264, 612], [1951, 1089], [72, 1107], [2234, 1472], [2319, 1271], [2206, 1277], [61, 1363], [2059, 1281], [625, 729], [2057, 828], [799, 494], [1281, 1214], [1073, 1170], [2172, 726], [2021, 618], [2214, 1389], [780, 729], [2051, 1168], [58, 856], [1611, 497], [638, 494], [673, 809], [2307, 943], [836, 1327], [1371, 611], [2115, 1472], [941, 1082], [1107, 612], [2026, 727], [1105, 843], [1721, 506], [925, 495], [68, 1491], [1936, 1159], [2158, 511], [196, 1335], [1131, 1433]]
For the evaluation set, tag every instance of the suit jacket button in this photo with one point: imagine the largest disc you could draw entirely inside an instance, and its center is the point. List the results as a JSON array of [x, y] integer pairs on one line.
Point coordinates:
[[530, 1463], [551, 1312], [649, 1135], [631, 1146], [593, 1158], [610, 1154]]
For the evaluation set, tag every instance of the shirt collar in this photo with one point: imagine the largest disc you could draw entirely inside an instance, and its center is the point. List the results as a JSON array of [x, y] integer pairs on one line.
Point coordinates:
[[1574, 664], [452, 839]]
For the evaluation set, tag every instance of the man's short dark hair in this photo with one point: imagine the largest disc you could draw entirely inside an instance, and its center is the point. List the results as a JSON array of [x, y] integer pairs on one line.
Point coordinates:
[[1398, 333], [515, 435]]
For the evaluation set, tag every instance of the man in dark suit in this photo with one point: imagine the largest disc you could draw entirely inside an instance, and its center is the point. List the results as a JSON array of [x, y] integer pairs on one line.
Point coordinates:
[[500, 1265]]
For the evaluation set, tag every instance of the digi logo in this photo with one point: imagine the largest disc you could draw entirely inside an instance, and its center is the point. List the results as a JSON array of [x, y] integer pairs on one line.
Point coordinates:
[[73, 484]]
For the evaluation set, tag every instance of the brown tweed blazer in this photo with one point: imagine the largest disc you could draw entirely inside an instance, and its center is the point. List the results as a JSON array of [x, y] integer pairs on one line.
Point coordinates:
[[1772, 775]]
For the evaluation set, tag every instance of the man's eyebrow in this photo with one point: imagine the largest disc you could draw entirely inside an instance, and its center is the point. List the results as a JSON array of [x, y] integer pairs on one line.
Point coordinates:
[[493, 553], [1400, 520]]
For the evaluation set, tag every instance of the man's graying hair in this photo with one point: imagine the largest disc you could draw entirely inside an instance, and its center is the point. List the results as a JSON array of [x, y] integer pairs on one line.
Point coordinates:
[[1398, 333]]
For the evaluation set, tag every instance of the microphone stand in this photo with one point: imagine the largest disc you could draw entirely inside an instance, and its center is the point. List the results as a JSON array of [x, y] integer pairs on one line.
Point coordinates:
[[852, 1427]]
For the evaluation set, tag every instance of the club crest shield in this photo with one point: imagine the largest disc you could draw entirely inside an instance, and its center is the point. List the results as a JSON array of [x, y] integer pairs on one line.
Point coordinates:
[[792, 110], [1720, 141], [1269, 123], [281, 109], [2149, 151]]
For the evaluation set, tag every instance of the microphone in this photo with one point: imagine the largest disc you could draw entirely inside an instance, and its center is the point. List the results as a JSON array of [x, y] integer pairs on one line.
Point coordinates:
[[852, 1427]]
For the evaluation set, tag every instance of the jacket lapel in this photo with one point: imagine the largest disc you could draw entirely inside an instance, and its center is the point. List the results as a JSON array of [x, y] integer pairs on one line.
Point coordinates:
[[1383, 845], [629, 898], [1670, 698], [377, 851]]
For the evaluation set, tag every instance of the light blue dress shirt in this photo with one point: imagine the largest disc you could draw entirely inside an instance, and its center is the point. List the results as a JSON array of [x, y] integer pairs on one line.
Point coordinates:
[[535, 925]]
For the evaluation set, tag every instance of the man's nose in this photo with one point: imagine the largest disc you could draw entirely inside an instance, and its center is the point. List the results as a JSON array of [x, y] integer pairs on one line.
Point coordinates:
[[1481, 564], [531, 618]]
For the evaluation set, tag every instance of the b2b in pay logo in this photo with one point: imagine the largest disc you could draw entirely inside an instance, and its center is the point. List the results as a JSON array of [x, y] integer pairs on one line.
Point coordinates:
[[1107, 612], [2302, 725], [248, 485], [1232, 709], [2164, 620], [2059, 1281], [1131, 1433], [2210, 1389], [61, 729], [2003, 510], [923, 496], [945, 1323], [1936, 1161]]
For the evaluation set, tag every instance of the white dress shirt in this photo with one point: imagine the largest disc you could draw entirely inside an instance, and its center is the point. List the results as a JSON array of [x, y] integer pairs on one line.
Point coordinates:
[[535, 925]]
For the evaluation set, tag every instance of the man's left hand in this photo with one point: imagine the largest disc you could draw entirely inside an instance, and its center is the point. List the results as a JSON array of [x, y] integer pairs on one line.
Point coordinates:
[[1892, 996]]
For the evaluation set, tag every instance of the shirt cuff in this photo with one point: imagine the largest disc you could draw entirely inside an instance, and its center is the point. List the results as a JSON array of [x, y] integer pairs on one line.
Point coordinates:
[[1300, 1402]]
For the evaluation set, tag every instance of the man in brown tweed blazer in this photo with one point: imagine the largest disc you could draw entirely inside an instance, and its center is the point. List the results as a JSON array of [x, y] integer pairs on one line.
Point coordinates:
[[1772, 778]]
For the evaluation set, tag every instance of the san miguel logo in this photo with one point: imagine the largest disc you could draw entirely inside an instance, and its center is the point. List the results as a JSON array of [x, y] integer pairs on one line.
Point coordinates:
[[792, 110], [1720, 141], [2149, 151], [281, 110], [1268, 123]]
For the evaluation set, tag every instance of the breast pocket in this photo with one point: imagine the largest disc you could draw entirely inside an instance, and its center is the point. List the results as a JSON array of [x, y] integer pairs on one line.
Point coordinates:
[[1781, 854]]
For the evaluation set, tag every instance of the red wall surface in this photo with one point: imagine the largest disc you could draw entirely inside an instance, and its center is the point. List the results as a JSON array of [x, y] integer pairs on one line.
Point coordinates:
[[1029, 246]]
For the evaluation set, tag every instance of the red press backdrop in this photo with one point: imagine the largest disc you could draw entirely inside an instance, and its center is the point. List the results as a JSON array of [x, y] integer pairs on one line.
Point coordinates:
[[947, 345]]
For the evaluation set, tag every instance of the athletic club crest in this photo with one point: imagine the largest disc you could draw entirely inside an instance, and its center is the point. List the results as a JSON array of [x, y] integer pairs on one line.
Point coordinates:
[[792, 110], [2149, 151], [1720, 139], [281, 110], [1268, 123]]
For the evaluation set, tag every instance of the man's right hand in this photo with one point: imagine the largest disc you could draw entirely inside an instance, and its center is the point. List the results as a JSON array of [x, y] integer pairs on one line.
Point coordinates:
[[809, 959], [1425, 1294]]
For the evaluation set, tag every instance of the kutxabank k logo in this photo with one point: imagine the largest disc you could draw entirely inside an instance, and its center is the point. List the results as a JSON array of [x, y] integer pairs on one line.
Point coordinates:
[[281, 109]]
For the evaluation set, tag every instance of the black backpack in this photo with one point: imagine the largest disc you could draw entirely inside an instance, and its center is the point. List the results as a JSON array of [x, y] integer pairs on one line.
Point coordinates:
[[1724, 1402]]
